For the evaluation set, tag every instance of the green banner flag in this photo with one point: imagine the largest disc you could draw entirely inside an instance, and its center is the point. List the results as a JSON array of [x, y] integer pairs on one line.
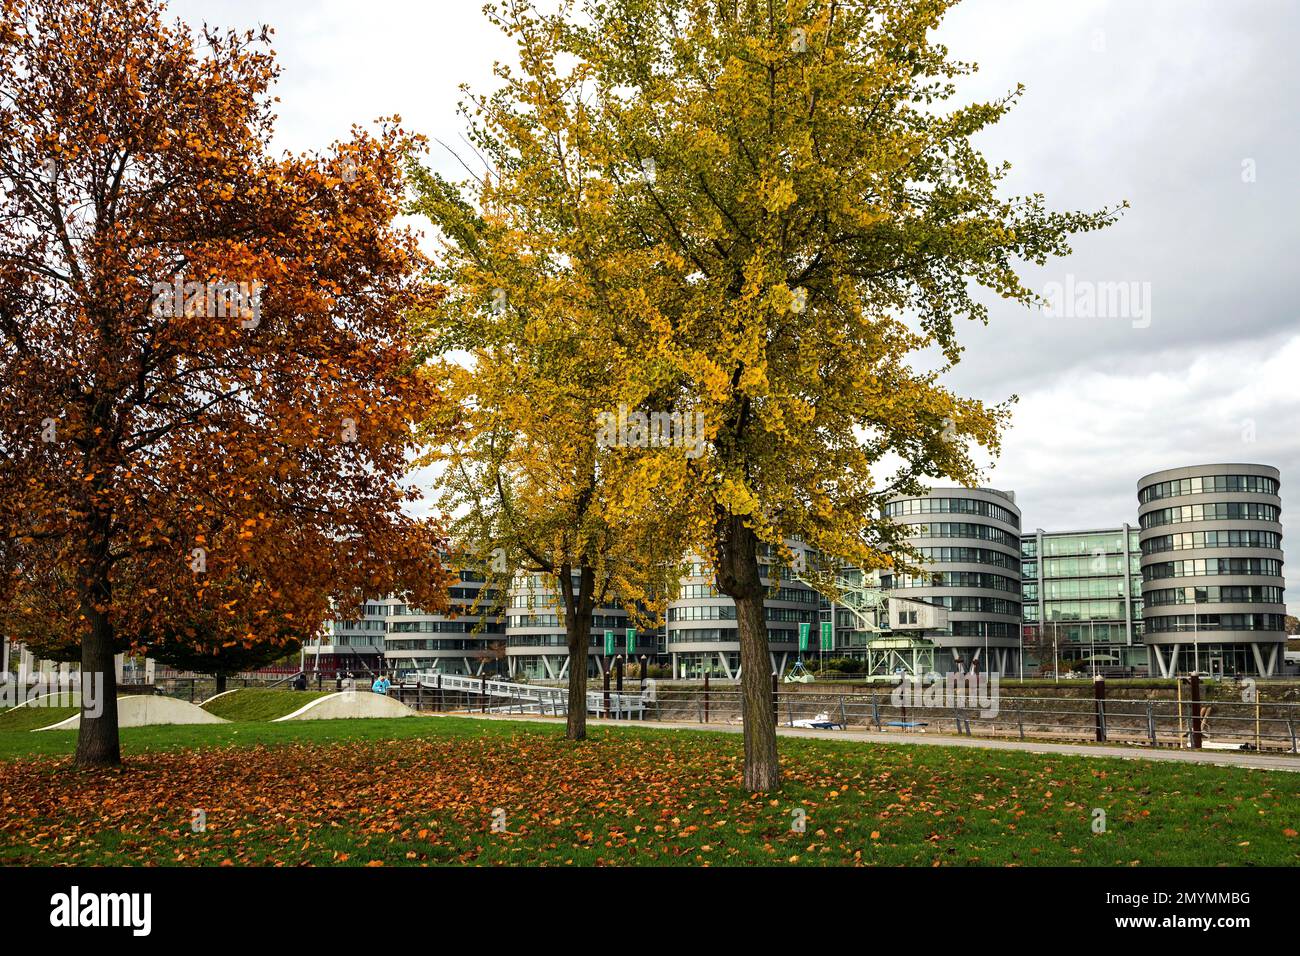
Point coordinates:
[[609, 643], [803, 635], [828, 639], [631, 643]]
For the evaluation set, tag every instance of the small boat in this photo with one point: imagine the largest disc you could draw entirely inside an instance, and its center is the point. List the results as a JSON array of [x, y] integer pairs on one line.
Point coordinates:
[[822, 721]]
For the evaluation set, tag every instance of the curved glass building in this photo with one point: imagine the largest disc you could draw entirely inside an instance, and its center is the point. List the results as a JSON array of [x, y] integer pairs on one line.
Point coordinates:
[[1212, 586], [969, 540], [536, 645], [392, 636], [701, 627], [468, 639]]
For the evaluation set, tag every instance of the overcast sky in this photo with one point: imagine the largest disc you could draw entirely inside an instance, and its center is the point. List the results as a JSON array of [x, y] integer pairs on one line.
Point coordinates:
[[1186, 109]]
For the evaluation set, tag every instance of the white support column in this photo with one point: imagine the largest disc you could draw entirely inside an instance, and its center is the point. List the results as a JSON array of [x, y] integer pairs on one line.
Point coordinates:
[[1169, 668], [1264, 669], [726, 669]]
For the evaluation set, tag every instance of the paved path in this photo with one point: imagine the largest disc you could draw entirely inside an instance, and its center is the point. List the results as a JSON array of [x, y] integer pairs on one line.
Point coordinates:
[[1223, 758]]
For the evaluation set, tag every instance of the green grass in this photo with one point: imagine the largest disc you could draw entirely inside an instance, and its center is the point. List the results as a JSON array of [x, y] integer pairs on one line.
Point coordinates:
[[423, 791], [24, 719], [137, 741], [252, 704]]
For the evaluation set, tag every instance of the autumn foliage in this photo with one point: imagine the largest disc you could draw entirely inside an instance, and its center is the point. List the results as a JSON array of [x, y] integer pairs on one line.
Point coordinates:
[[765, 217], [428, 792], [206, 393]]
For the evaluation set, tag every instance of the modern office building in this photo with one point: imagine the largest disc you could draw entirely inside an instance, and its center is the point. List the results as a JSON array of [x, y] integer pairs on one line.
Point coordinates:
[[391, 636], [1212, 585], [352, 645], [701, 633], [1196, 585], [469, 639], [1082, 601], [537, 646], [969, 539]]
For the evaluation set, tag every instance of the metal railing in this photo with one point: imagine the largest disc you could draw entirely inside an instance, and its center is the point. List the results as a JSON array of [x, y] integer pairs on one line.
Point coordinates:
[[1153, 722], [485, 695]]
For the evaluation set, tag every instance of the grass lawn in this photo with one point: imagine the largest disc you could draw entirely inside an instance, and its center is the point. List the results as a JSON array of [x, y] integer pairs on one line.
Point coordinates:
[[258, 704], [21, 719], [423, 791]]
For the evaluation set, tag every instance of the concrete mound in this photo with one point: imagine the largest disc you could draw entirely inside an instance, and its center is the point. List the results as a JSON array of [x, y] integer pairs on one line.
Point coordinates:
[[350, 703], [149, 711]]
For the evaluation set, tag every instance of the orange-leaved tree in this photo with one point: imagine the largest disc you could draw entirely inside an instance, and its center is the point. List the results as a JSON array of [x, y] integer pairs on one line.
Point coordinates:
[[204, 366]]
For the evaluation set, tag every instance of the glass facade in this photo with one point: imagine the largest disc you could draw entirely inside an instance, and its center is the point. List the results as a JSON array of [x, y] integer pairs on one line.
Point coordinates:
[[700, 633], [1208, 484], [1082, 594], [536, 644], [970, 565], [940, 504], [1214, 594], [389, 637]]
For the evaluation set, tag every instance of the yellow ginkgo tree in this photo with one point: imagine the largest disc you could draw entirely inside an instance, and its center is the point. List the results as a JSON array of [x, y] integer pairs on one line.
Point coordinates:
[[779, 220], [819, 221], [565, 426]]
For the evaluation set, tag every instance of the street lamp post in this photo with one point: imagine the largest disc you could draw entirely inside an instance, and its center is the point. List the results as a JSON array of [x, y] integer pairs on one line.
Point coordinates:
[[1056, 657], [1092, 644], [1021, 651], [1196, 637]]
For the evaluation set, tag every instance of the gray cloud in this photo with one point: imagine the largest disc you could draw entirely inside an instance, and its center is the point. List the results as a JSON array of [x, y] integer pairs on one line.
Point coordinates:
[[1167, 105], [1159, 103]]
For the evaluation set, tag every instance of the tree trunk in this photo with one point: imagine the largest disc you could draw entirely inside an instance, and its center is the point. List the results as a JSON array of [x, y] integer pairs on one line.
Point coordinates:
[[738, 578], [220, 680], [577, 628], [97, 737]]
